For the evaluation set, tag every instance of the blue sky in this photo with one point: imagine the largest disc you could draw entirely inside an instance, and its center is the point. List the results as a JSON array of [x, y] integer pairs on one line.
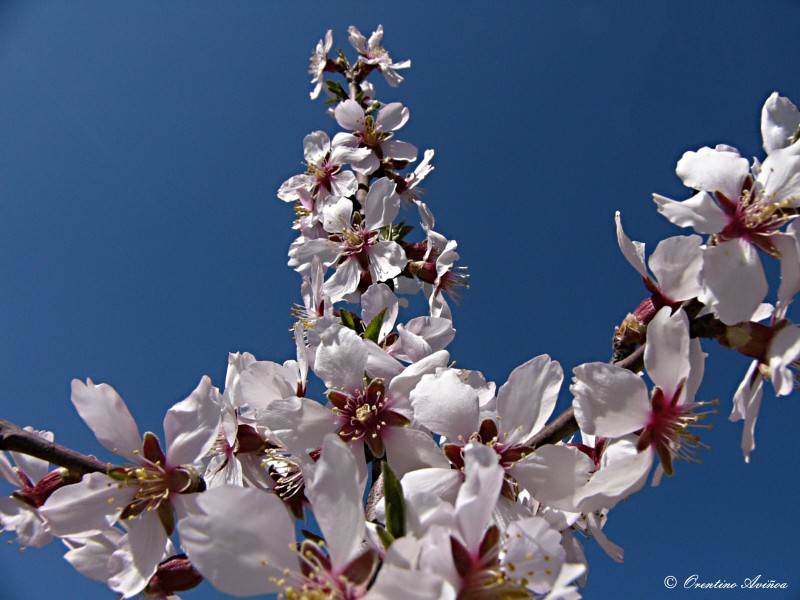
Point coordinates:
[[141, 146]]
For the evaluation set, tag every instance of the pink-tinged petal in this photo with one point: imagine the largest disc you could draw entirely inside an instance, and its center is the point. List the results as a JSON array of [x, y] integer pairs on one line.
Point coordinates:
[[89, 556], [191, 425], [632, 251], [240, 541], [344, 280], [263, 382], [623, 471], [350, 115], [23, 520], [341, 359], [443, 483], [381, 204], [335, 496], [714, 170], [303, 251], [86, 508], [780, 176], [409, 347], [676, 263], [666, 355], [446, 405], [288, 190], [358, 41], [783, 350], [299, 423], [554, 475], [609, 401], [410, 449], [380, 364], [478, 495], [747, 402], [136, 560], [400, 387], [789, 246], [534, 553], [337, 214], [392, 116], [108, 417], [386, 260], [780, 120], [739, 409], [437, 332], [527, 399], [699, 212], [393, 583], [346, 150], [562, 590], [399, 150], [697, 366], [315, 146], [734, 279]]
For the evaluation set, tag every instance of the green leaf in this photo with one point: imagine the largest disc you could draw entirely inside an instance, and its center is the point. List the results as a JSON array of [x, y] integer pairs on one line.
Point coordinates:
[[336, 89], [384, 536], [395, 504], [348, 319], [373, 330]]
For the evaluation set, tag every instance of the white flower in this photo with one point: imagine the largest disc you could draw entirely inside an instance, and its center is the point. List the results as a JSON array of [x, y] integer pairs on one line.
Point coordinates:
[[318, 62], [147, 495], [374, 54], [780, 123], [748, 214]]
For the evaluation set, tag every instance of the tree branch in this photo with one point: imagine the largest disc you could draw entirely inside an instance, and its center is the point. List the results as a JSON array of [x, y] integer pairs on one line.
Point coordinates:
[[16, 439]]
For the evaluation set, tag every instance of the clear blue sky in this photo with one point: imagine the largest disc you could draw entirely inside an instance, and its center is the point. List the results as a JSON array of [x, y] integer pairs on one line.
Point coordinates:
[[141, 146]]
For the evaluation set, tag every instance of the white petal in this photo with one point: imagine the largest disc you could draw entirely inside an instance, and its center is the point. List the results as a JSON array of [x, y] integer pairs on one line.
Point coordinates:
[[623, 471], [190, 426], [632, 251], [136, 560], [527, 399], [350, 115], [381, 204], [444, 483], [676, 263], [344, 280], [315, 146], [386, 260], [478, 495], [666, 354], [399, 150], [780, 120], [783, 350], [735, 280], [554, 475], [335, 496], [780, 176], [392, 116], [713, 170], [300, 423], [789, 246], [23, 520], [86, 508], [609, 401], [410, 449], [446, 405], [699, 212], [264, 382], [393, 583], [374, 300], [341, 359], [108, 417], [241, 540], [90, 556]]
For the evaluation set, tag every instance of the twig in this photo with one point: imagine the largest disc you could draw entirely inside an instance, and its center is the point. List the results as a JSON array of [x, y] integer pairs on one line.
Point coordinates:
[[16, 439]]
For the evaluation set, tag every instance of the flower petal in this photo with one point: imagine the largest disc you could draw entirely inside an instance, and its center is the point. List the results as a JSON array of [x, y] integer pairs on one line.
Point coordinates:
[[108, 417]]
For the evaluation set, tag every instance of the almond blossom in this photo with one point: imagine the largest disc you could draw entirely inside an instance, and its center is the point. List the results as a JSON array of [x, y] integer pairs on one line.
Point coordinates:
[[152, 494]]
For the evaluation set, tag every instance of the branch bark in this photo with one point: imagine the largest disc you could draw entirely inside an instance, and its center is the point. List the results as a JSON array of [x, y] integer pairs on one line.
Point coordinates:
[[15, 439]]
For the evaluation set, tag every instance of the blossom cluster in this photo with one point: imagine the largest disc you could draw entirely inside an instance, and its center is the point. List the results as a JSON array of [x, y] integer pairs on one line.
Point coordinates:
[[469, 492]]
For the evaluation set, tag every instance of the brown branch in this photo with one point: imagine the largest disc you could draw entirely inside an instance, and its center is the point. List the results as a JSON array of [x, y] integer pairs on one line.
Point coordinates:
[[16, 439]]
